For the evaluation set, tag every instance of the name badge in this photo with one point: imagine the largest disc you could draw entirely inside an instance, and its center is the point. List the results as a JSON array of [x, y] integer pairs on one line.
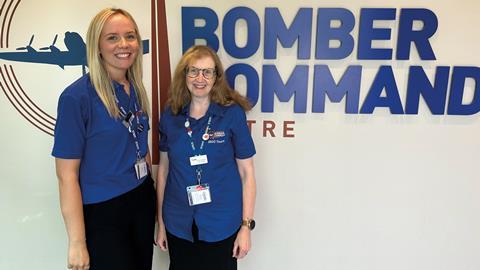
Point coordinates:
[[141, 168], [198, 194], [198, 160], [127, 121]]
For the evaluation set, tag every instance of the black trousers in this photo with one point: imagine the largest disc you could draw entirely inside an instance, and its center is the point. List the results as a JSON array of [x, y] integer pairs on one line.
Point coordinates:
[[201, 255], [120, 231]]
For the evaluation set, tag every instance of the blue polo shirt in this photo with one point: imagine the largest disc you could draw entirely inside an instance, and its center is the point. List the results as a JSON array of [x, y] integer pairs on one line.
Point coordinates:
[[229, 139], [84, 130]]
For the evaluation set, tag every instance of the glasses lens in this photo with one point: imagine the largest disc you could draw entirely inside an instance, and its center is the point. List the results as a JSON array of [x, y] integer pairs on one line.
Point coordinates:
[[208, 73], [192, 72]]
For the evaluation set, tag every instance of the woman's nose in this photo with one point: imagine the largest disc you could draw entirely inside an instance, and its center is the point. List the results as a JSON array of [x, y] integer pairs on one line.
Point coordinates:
[[123, 42]]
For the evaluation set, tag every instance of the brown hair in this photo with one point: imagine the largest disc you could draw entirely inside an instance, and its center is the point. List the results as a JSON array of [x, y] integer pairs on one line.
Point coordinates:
[[221, 92]]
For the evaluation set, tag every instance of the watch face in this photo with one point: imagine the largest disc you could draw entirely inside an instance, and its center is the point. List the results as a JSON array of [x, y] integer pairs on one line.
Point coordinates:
[[252, 224]]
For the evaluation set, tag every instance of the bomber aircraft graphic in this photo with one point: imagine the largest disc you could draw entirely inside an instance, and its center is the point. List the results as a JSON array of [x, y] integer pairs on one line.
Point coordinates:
[[75, 55]]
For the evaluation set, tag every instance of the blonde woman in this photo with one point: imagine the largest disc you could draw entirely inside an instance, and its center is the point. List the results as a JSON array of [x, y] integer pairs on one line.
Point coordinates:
[[101, 153]]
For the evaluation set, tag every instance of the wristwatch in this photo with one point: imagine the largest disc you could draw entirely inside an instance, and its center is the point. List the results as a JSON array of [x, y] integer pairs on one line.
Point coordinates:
[[249, 223]]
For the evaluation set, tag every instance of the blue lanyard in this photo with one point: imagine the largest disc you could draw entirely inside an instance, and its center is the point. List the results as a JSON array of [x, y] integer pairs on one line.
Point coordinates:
[[128, 125], [205, 137]]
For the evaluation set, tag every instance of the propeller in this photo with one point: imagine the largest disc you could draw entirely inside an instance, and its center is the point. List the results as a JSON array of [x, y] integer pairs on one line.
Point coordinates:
[[51, 46], [29, 44]]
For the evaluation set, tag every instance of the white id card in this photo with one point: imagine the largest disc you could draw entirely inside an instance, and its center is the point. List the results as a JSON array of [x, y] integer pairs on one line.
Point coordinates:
[[198, 160], [198, 194], [141, 168]]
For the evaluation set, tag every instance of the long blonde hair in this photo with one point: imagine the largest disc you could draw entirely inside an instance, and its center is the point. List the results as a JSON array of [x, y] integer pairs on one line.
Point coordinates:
[[98, 74], [221, 92]]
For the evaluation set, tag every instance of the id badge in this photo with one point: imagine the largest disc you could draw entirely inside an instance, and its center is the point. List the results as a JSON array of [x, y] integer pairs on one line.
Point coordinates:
[[198, 194], [141, 168], [127, 120], [198, 160]]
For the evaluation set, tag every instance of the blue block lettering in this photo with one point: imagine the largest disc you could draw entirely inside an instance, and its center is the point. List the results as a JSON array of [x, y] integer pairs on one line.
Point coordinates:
[[251, 77], [384, 80], [296, 85], [325, 33], [407, 36], [367, 33], [324, 84], [300, 29], [190, 32], [457, 88], [435, 96], [229, 32]]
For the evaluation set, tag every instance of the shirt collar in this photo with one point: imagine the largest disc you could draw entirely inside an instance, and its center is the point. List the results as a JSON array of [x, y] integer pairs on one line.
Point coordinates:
[[119, 87]]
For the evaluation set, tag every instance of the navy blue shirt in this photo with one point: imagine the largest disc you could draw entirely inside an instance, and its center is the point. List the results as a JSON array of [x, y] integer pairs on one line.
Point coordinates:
[[229, 139], [84, 130]]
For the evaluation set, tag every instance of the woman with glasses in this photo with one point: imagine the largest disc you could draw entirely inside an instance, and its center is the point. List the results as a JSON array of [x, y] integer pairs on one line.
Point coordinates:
[[206, 182]]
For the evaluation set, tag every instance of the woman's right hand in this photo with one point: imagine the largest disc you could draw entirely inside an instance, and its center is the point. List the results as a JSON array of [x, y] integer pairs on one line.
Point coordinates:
[[78, 258], [162, 237]]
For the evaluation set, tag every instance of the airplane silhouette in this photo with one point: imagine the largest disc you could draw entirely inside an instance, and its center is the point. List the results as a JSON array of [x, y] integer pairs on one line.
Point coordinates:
[[75, 55]]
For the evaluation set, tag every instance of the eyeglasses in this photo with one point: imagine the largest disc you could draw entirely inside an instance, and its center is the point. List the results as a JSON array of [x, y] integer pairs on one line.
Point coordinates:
[[207, 73]]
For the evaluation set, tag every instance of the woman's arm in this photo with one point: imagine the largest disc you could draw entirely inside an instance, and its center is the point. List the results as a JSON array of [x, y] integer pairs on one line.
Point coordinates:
[[247, 174], [161, 180], [148, 159], [72, 211]]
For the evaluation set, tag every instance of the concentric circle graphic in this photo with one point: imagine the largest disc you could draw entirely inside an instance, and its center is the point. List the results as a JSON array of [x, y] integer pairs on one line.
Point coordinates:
[[9, 83]]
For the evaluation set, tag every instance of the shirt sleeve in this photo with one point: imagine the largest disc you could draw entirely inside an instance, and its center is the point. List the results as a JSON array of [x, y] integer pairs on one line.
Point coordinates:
[[70, 129], [162, 131], [242, 139]]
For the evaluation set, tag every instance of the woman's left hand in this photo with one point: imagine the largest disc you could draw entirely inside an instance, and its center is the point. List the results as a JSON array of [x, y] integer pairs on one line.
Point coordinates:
[[242, 243]]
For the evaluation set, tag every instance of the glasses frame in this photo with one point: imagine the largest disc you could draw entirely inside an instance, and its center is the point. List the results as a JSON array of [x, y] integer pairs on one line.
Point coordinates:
[[200, 70]]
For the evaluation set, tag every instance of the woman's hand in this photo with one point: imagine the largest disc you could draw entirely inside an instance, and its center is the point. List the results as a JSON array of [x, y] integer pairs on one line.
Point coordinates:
[[78, 258], [242, 243], [162, 237]]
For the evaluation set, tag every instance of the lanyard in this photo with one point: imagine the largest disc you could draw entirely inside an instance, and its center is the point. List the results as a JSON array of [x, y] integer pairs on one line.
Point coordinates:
[[127, 120], [205, 137]]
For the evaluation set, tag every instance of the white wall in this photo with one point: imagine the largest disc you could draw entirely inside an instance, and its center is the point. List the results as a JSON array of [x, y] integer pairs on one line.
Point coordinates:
[[375, 191]]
